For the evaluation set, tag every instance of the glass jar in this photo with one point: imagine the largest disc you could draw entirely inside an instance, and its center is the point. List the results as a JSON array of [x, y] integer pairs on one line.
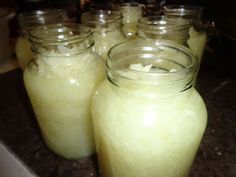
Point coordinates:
[[60, 81], [148, 118], [131, 12], [197, 31], [106, 25], [173, 29], [30, 20]]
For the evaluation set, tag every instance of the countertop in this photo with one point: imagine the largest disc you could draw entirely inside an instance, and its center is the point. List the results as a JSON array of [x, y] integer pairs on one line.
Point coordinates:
[[216, 156]]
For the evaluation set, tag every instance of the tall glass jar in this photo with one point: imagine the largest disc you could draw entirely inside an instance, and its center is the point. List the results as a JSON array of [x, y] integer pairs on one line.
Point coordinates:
[[60, 81], [106, 25], [173, 29], [131, 12], [148, 118], [30, 20], [197, 32]]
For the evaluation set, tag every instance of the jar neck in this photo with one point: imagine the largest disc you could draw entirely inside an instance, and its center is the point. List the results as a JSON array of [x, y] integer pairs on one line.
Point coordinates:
[[100, 20], [161, 27], [131, 11], [32, 19], [61, 39], [184, 11], [151, 68]]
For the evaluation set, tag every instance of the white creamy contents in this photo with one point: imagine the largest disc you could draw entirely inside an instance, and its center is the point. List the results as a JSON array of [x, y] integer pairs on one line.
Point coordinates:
[[60, 89], [131, 15], [140, 67], [138, 137], [197, 42], [23, 51], [104, 40]]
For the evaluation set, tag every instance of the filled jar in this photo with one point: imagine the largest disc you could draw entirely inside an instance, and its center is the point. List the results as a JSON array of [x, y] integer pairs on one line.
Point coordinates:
[[106, 26], [60, 81], [148, 118], [197, 32], [30, 20], [131, 12]]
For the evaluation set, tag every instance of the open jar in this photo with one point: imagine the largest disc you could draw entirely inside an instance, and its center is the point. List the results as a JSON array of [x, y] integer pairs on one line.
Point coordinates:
[[30, 20], [148, 118], [131, 12], [60, 81], [173, 29], [106, 26], [197, 31]]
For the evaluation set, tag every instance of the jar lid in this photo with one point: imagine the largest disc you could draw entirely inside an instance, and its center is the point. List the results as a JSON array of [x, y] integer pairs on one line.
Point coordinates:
[[6, 13]]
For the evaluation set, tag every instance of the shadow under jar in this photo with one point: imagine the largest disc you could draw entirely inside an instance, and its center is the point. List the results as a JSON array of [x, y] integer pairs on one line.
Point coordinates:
[[60, 81], [148, 118]]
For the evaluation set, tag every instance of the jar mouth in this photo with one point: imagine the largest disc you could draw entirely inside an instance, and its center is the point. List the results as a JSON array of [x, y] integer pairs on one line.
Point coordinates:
[[100, 17], [56, 34], [151, 62], [188, 11], [41, 17], [183, 8], [158, 23], [131, 4]]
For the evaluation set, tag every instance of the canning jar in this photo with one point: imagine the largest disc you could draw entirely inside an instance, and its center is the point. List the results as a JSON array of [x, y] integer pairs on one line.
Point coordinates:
[[148, 118], [197, 32], [131, 12], [60, 81], [106, 26], [30, 20]]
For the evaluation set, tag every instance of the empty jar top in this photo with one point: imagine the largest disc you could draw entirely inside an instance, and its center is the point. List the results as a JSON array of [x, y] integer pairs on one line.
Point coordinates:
[[161, 24], [70, 37], [28, 20], [185, 11], [101, 17]]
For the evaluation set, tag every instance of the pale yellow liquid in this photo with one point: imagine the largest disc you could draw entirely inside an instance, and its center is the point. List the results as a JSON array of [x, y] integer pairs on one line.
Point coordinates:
[[197, 42], [137, 136], [131, 15], [23, 51], [104, 40], [60, 90]]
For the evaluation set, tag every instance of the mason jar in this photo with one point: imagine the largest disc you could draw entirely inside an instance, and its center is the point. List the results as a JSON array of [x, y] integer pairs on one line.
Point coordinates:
[[131, 12], [60, 81], [106, 26], [197, 31], [173, 29], [148, 118], [29, 20]]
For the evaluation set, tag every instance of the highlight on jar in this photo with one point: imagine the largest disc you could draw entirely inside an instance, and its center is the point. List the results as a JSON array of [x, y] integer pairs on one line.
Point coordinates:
[[197, 32], [148, 118], [131, 12], [106, 26], [173, 29], [32, 19], [60, 81]]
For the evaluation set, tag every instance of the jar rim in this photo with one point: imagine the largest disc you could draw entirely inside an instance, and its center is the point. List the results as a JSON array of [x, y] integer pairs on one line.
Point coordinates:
[[33, 18], [114, 61], [182, 8], [101, 16], [161, 22], [187, 11], [60, 33]]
